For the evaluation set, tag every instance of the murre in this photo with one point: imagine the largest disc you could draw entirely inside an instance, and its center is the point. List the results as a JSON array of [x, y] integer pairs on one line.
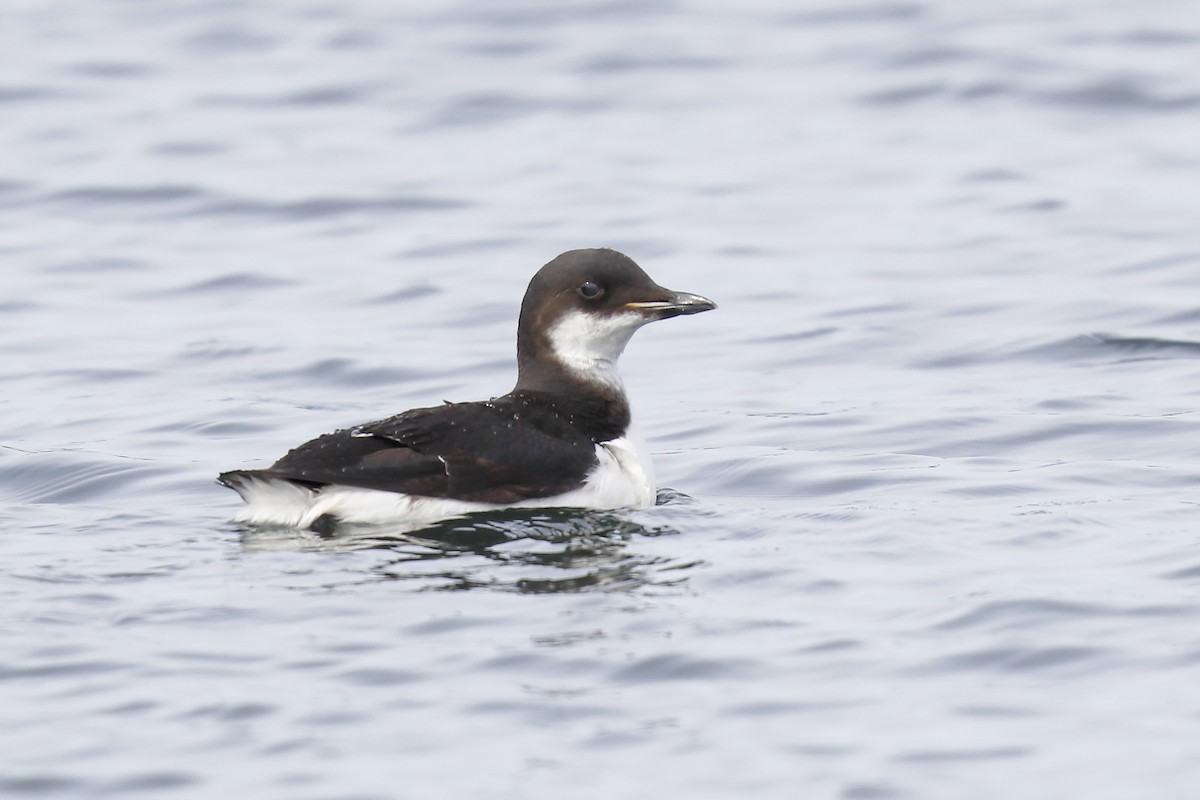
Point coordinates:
[[564, 435]]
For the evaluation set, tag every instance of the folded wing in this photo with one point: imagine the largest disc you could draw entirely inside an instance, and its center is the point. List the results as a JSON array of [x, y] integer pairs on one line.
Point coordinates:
[[480, 452]]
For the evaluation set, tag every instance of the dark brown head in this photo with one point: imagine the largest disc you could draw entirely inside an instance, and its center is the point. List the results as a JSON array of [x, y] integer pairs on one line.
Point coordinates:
[[580, 311]]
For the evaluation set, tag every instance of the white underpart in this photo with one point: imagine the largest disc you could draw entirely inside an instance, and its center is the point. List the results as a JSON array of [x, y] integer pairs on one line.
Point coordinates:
[[622, 478]]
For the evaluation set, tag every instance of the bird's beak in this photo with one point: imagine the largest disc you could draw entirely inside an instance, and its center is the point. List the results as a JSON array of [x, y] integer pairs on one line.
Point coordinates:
[[678, 303]]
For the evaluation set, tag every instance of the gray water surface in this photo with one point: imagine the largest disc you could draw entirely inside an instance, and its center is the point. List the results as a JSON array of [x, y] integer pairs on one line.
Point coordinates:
[[928, 521]]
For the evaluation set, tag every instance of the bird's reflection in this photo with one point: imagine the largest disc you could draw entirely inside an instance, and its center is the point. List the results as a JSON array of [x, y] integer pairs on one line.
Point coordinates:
[[524, 550]]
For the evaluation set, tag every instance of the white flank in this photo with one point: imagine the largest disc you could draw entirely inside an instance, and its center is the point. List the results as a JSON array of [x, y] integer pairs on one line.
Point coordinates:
[[624, 478], [590, 344], [273, 502]]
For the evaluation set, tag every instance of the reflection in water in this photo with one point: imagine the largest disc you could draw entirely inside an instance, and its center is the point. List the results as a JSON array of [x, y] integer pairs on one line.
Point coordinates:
[[523, 550]]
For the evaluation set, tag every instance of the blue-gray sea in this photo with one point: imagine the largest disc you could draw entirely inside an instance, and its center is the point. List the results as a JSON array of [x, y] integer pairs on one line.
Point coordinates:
[[929, 519]]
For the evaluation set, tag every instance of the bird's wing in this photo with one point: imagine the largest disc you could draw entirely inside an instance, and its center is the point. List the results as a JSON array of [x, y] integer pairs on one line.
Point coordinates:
[[465, 451]]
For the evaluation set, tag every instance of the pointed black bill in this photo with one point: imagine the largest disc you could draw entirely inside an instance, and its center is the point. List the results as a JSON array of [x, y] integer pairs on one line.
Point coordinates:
[[679, 303]]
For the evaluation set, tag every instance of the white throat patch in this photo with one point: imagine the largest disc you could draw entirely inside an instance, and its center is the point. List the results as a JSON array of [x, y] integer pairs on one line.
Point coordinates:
[[590, 344]]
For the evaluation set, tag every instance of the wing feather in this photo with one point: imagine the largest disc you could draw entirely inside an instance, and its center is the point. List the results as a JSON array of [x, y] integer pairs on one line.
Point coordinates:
[[483, 452]]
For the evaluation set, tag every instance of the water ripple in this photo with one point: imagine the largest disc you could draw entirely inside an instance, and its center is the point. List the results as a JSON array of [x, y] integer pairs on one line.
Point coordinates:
[[314, 97], [126, 195], [232, 283], [681, 667], [1087, 347], [150, 781], [325, 207], [966, 754], [491, 109], [33, 785], [1127, 347], [857, 14], [109, 69], [229, 39], [28, 94], [67, 477], [1121, 95], [1020, 659], [1105, 95], [1028, 613], [526, 551], [627, 62], [344, 372], [190, 201]]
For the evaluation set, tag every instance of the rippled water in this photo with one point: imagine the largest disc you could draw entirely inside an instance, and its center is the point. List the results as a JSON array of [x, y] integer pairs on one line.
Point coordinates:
[[929, 525]]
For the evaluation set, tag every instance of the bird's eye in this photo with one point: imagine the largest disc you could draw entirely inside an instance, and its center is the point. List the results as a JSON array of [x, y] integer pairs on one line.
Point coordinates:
[[590, 290]]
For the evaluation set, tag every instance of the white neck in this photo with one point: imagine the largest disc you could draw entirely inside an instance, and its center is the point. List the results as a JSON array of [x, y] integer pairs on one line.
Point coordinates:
[[588, 345]]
